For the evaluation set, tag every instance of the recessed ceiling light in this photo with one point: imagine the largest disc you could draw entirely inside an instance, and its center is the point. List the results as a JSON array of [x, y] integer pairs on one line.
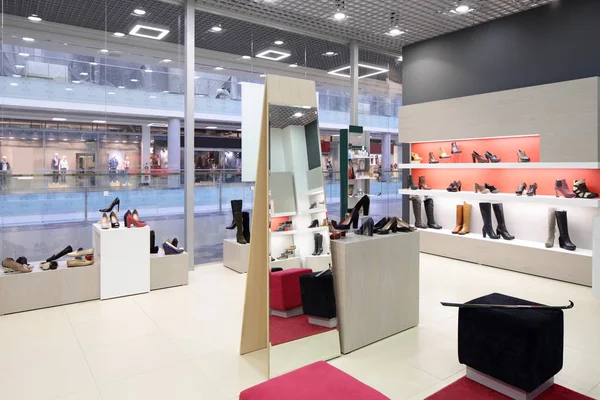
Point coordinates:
[[462, 9], [16, 76], [58, 119], [93, 63], [196, 77], [34, 18], [119, 34], [394, 32], [211, 127], [111, 93], [139, 11], [121, 87], [76, 81], [24, 54], [104, 50], [133, 80], [216, 29], [262, 75], [329, 53], [219, 68], [69, 89], [28, 39], [152, 97], [274, 54], [293, 65], [298, 114], [307, 107], [246, 57], [400, 58], [377, 70], [83, 74], [19, 66], [165, 91], [278, 42], [338, 16], [166, 60], [98, 121], [14, 84], [157, 124], [149, 31]]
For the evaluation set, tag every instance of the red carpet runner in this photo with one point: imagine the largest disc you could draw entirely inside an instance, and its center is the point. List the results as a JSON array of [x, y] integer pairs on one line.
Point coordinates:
[[283, 330], [464, 388]]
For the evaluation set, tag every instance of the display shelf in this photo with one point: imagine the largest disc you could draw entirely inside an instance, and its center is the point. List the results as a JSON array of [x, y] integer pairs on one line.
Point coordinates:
[[314, 211], [317, 229], [289, 259], [314, 192], [284, 233], [501, 197], [506, 165], [359, 157], [35, 268], [284, 214], [515, 242]]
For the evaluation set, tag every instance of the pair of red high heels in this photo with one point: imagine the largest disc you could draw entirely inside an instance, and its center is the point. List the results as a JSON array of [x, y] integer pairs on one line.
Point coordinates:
[[133, 218]]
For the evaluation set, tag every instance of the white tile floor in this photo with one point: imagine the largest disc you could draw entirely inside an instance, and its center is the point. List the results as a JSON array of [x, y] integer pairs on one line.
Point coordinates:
[[182, 343]]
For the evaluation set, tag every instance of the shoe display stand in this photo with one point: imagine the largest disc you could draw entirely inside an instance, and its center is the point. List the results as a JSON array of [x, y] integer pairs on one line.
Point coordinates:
[[376, 286], [168, 270], [235, 255], [557, 126]]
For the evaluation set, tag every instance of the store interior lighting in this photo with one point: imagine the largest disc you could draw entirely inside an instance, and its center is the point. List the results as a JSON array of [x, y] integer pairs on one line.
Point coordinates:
[[274, 54], [19, 66], [149, 31], [339, 16], [462, 9], [97, 121], [58, 119], [119, 34], [278, 42], [376, 71], [104, 51], [394, 32], [216, 29], [139, 11], [34, 18], [24, 54], [28, 39]]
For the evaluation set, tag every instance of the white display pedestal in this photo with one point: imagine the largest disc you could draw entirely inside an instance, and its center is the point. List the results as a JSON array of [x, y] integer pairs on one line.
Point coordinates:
[[235, 255], [124, 258], [168, 270]]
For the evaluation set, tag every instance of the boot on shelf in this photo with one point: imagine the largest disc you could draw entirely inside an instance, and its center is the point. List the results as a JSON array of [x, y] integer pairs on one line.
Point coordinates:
[[455, 149], [582, 191], [411, 183], [564, 240], [486, 215], [423, 183], [459, 219], [551, 227], [60, 254], [417, 207], [443, 153], [466, 227], [239, 224], [429, 213], [246, 226], [432, 159], [501, 228], [320, 243], [153, 246], [236, 206], [316, 242], [562, 187]]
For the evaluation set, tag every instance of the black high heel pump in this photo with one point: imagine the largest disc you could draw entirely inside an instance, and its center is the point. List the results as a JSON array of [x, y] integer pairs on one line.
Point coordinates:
[[352, 218], [114, 221], [366, 228], [115, 202], [392, 225]]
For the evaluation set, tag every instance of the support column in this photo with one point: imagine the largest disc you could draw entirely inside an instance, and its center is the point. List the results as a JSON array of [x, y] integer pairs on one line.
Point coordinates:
[[353, 83], [386, 149], [145, 147], [174, 145], [190, 57]]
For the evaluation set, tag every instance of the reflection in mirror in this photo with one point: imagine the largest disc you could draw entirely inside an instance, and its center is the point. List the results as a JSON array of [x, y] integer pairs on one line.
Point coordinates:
[[303, 324]]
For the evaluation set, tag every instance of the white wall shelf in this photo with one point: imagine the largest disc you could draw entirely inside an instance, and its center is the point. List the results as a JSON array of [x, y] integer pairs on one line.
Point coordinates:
[[502, 197], [317, 229], [315, 192], [284, 214], [284, 233], [314, 211], [505, 165]]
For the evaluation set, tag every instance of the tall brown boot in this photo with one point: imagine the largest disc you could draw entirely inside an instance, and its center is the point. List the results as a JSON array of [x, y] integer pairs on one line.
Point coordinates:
[[239, 224], [466, 219], [423, 183], [459, 219]]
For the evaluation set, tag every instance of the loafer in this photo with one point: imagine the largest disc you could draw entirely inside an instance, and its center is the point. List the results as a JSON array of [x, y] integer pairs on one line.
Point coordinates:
[[49, 265], [79, 263], [9, 265], [81, 253]]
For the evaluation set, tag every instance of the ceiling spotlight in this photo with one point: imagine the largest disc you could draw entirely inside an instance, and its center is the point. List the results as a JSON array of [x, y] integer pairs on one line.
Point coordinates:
[[139, 11], [339, 16], [211, 127], [69, 89], [58, 119], [216, 29], [273, 54], [278, 42], [148, 70], [148, 31], [166, 60], [293, 65], [462, 9], [262, 75], [28, 39], [330, 53], [246, 57], [24, 54], [196, 77], [34, 18], [104, 51], [98, 121], [14, 84], [19, 66], [83, 74], [376, 71], [219, 68], [16, 76], [394, 32], [111, 93], [121, 87], [93, 63], [76, 81], [298, 114], [119, 34], [400, 58], [134, 80]]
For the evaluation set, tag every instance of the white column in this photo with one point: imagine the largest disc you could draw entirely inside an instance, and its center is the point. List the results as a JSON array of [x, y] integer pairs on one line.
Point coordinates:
[[174, 144], [386, 149], [354, 84], [189, 108], [145, 146]]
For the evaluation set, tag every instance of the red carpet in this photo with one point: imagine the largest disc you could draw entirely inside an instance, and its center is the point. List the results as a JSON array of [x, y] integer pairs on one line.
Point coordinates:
[[283, 330], [464, 388]]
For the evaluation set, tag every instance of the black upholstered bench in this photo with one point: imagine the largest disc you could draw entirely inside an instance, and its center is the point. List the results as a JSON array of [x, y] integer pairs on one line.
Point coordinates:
[[522, 349]]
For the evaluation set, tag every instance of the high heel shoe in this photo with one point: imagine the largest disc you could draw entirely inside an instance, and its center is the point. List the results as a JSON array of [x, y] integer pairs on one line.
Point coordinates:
[[366, 228], [390, 226], [402, 226], [114, 221], [455, 149], [132, 221], [136, 216], [423, 183], [492, 157], [415, 158], [115, 202], [522, 156], [432, 159], [491, 188], [581, 190], [127, 214], [314, 224], [532, 190], [411, 183], [104, 222], [334, 233], [454, 186], [477, 187], [380, 224], [443, 153], [352, 217], [522, 187], [562, 187], [477, 158]]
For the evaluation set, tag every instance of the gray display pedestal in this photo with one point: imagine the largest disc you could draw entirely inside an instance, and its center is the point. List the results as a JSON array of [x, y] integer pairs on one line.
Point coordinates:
[[168, 271], [376, 286], [235, 255]]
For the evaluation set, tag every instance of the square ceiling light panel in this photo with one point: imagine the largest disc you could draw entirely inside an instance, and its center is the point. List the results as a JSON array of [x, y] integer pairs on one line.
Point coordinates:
[[274, 53], [365, 71], [149, 31]]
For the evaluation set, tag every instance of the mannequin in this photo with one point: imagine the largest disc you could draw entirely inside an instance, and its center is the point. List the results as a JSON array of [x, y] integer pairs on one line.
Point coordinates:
[[54, 167], [63, 166], [4, 170], [113, 163], [164, 158], [126, 165]]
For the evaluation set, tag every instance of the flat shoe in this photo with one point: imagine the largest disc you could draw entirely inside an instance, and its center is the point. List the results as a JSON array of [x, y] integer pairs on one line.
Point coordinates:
[[49, 265], [9, 265], [79, 263], [81, 253]]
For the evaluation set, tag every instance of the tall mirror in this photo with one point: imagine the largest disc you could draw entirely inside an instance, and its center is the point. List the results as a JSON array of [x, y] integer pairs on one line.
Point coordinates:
[[302, 306]]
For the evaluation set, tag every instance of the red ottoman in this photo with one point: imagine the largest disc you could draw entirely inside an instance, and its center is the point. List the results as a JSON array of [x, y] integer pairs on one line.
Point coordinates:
[[284, 288], [318, 381]]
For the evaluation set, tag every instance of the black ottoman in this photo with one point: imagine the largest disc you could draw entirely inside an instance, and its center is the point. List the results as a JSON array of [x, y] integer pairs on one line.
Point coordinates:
[[318, 297], [523, 348]]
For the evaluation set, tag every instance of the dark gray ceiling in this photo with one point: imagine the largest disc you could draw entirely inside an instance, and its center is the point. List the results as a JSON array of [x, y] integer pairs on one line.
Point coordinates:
[[367, 22], [283, 116]]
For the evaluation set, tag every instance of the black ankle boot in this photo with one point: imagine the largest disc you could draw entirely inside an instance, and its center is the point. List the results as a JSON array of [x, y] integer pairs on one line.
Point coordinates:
[[366, 228], [501, 229], [563, 228], [316, 240], [411, 184], [429, 213], [246, 226], [486, 215], [236, 206]]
